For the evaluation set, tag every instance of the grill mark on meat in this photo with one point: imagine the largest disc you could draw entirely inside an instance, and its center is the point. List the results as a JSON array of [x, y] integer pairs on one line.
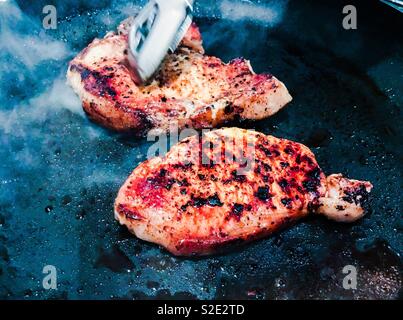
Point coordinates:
[[95, 82], [144, 123], [236, 211], [99, 85], [184, 166], [213, 201], [312, 181], [263, 193]]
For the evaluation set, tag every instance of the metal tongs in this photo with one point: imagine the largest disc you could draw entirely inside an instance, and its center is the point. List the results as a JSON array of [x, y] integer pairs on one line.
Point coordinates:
[[156, 30]]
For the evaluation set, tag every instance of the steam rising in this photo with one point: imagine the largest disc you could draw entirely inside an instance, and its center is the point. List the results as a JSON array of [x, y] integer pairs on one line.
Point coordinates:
[[49, 151], [29, 58], [267, 14], [263, 12], [15, 38]]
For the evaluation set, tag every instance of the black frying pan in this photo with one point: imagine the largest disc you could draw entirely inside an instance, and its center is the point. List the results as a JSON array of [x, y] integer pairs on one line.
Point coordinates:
[[59, 173]]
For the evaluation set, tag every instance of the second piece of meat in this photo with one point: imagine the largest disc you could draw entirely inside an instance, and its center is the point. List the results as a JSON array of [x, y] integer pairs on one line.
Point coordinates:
[[190, 90], [231, 186]]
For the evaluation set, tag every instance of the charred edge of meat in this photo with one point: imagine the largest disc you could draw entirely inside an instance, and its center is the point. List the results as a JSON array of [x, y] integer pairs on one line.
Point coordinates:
[[229, 108], [358, 196], [129, 213], [313, 206], [144, 123], [94, 81], [193, 247], [98, 85]]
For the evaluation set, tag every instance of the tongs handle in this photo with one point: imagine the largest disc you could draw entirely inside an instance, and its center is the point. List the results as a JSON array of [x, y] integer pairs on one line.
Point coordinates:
[[397, 4], [154, 32]]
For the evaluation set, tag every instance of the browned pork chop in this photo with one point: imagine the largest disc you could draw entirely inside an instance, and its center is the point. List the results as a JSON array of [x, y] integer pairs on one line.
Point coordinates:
[[197, 199], [191, 89]]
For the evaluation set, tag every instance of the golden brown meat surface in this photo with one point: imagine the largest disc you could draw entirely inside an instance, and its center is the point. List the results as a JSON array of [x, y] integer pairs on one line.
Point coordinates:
[[191, 89], [230, 186]]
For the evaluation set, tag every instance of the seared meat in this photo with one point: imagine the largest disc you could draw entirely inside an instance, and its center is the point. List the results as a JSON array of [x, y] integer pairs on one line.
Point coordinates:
[[191, 89], [230, 186]]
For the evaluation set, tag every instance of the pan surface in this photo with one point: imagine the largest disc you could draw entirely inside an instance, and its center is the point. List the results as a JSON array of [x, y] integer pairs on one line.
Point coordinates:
[[60, 173]]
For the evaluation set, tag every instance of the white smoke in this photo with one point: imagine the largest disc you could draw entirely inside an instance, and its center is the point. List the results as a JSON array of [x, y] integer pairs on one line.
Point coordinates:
[[37, 109], [268, 13], [30, 50], [26, 53]]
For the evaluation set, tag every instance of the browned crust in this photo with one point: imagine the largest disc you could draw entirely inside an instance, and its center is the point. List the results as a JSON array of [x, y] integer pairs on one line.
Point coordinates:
[[206, 208], [111, 114], [190, 89], [201, 247]]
